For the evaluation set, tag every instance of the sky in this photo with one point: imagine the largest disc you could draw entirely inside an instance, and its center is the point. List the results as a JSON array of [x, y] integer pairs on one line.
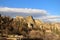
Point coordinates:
[[39, 9]]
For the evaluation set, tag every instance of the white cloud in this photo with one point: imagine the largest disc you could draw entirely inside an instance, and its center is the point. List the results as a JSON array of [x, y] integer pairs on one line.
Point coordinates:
[[24, 10], [36, 13], [50, 18], [54, 20]]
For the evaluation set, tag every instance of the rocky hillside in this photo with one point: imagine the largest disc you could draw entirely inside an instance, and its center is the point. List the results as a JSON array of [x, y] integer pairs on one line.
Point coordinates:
[[29, 28]]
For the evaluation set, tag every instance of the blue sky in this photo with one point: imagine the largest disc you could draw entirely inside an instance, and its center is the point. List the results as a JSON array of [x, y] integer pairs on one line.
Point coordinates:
[[51, 6]]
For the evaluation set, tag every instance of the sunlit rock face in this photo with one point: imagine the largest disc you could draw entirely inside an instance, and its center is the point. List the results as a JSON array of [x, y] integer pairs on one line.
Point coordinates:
[[57, 25], [38, 23], [46, 26], [30, 21], [19, 18], [43, 26], [54, 25]]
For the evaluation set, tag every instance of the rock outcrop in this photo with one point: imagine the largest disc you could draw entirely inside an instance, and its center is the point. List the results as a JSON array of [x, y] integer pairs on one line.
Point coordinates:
[[30, 21], [29, 28]]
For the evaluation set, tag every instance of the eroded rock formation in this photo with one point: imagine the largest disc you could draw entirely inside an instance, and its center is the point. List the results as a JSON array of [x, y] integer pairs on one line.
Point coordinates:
[[28, 27]]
